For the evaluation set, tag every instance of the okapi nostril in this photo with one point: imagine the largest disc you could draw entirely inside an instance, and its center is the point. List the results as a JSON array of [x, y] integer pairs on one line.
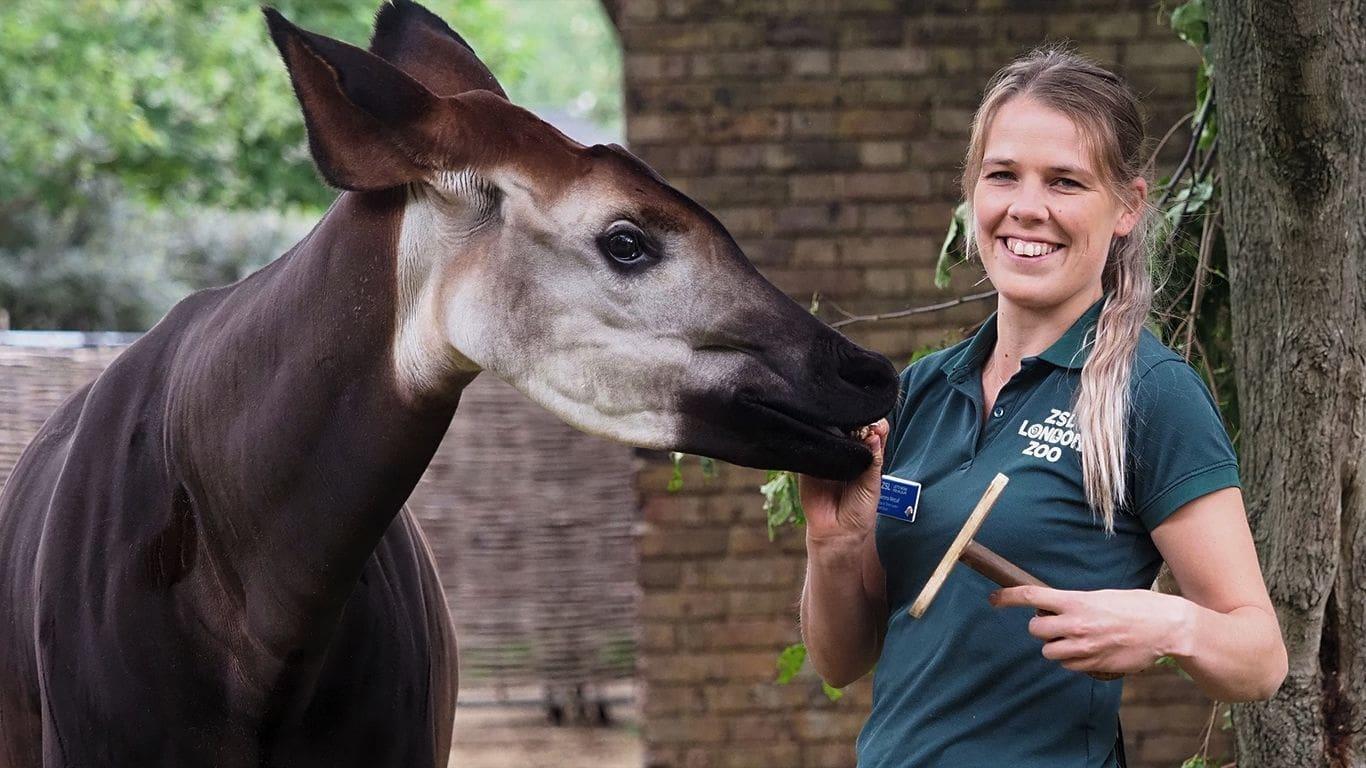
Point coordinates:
[[866, 370]]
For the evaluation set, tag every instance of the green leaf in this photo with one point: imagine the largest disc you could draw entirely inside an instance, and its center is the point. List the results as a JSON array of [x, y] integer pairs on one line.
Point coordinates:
[[782, 502], [957, 232], [1191, 23], [708, 467], [924, 351], [1167, 661], [1197, 761], [831, 692], [790, 662], [676, 479], [1189, 200]]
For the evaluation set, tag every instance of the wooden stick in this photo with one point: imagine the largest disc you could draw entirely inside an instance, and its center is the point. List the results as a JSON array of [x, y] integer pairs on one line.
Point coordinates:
[[997, 568], [941, 571]]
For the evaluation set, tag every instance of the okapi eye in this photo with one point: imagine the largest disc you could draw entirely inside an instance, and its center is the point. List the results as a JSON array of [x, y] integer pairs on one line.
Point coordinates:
[[624, 246]]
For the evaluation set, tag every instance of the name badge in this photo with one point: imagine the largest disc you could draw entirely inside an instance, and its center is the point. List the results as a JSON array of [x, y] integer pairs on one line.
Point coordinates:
[[899, 498]]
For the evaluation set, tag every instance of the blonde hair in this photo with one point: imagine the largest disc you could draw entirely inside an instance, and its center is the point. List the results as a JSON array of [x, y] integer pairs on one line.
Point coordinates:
[[1106, 114]]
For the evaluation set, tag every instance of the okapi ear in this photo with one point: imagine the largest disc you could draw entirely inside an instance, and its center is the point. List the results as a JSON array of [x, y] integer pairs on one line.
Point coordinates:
[[418, 42], [366, 120]]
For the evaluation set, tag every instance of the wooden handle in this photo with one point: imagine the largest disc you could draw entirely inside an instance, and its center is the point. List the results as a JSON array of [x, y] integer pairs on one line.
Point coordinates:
[[997, 568], [1007, 574], [965, 534]]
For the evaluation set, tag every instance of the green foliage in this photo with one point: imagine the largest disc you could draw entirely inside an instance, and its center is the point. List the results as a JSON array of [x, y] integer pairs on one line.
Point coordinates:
[[676, 479], [188, 101], [135, 127], [114, 264], [791, 661], [782, 502], [954, 249]]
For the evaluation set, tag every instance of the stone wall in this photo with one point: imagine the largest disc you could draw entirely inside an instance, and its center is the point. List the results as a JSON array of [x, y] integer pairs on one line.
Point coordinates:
[[827, 136]]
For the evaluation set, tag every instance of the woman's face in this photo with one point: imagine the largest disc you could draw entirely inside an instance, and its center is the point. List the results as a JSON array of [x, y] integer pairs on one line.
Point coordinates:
[[1043, 218]]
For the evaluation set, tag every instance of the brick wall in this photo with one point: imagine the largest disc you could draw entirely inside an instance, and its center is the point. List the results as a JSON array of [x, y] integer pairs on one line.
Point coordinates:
[[826, 135]]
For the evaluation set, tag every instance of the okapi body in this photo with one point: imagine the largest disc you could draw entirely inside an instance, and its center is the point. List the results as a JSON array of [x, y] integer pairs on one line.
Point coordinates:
[[204, 555]]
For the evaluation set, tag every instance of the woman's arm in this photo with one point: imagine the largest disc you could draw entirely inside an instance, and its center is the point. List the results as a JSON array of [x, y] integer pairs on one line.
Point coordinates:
[[1222, 630], [1231, 642], [844, 600]]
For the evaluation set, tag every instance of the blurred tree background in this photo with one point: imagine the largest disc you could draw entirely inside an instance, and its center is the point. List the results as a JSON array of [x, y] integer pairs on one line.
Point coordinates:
[[152, 147]]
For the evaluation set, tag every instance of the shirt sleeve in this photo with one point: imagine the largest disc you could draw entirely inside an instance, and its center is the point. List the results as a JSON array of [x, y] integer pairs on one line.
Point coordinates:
[[1178, 447]]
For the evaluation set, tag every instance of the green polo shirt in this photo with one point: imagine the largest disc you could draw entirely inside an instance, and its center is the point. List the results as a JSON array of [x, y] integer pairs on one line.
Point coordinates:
[[966, 685]]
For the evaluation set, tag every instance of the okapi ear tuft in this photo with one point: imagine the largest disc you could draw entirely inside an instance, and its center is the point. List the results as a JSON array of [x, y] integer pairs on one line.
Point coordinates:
[[421, 44], [366, 119]]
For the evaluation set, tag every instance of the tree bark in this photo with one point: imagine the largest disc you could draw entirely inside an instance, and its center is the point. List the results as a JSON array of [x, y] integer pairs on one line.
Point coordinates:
[[1292, 103]]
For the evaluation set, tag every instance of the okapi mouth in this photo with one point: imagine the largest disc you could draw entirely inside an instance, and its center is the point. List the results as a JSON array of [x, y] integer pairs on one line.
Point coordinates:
[[761, 433], [838, 450]]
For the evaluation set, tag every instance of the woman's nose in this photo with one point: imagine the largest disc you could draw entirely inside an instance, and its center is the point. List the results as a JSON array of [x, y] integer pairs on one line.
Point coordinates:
[[1028, 205]]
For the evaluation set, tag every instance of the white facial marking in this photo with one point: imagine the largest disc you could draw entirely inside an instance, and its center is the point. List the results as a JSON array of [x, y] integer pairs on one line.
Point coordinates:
[[537, 305], [425, 363]]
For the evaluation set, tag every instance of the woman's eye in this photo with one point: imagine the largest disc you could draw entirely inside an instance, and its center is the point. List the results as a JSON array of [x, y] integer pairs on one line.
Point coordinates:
[[1071, 184], [1000, 176]]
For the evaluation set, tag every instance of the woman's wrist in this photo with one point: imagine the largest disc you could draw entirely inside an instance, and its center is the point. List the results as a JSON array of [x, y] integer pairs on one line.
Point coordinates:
[[1181, 636], [836, 551]]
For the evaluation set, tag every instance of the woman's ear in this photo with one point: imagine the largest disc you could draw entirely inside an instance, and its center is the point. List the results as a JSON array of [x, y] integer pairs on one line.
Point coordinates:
[[1135, 196]]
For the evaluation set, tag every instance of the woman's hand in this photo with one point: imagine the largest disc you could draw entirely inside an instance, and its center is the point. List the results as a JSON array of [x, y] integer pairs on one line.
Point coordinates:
[[1107, 631], [840, 513]]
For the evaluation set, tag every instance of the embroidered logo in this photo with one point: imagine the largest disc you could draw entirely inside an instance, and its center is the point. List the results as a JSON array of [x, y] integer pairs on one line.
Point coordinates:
[[1048, 437]]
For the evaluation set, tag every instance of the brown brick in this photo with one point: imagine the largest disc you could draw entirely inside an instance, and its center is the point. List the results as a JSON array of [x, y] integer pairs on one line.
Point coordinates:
[[698, 730], [757, 63], [811, 252], [803, 31], [639, 10], [763, 603], [882, 153], [679, 605], [832, 216], [681, 668], [1167, 55], [758, 728], [765, 695], [877, 123], [661, 699], [870, 32], [752, 756], [810, 63], [816, 725], [1092, 26], [769, 635], [688, 543], [882, 61], [811, 156], [838, 754], [650, 67]]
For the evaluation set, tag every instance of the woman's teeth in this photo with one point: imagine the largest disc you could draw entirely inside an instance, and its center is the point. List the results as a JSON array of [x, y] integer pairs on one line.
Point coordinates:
[[1030, 247]]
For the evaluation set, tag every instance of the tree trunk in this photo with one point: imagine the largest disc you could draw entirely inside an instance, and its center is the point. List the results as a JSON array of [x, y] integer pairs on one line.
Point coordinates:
[[1292, 104]]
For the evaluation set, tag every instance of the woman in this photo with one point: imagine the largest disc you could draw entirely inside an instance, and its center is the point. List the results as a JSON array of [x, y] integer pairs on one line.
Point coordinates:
[[1116, 456]]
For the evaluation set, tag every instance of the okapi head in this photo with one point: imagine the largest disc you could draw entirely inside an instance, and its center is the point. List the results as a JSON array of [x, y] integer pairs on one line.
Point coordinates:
[[574, 273]]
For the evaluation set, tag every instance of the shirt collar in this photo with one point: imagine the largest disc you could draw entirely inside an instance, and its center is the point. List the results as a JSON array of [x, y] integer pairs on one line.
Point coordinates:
[[1070, 350], [1073, 347]]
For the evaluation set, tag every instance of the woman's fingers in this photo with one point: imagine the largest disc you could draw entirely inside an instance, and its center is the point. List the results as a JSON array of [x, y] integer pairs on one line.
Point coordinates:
[[1049, 626]]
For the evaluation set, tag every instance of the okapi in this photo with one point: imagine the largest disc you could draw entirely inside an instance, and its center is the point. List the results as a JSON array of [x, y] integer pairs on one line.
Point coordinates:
[[204, 554]]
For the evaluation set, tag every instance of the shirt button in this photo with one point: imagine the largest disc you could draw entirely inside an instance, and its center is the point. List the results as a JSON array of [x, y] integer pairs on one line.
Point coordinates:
[[999, 412]]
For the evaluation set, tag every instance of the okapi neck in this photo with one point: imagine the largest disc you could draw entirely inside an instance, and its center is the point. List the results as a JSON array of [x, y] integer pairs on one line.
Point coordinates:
[[288, 428]]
